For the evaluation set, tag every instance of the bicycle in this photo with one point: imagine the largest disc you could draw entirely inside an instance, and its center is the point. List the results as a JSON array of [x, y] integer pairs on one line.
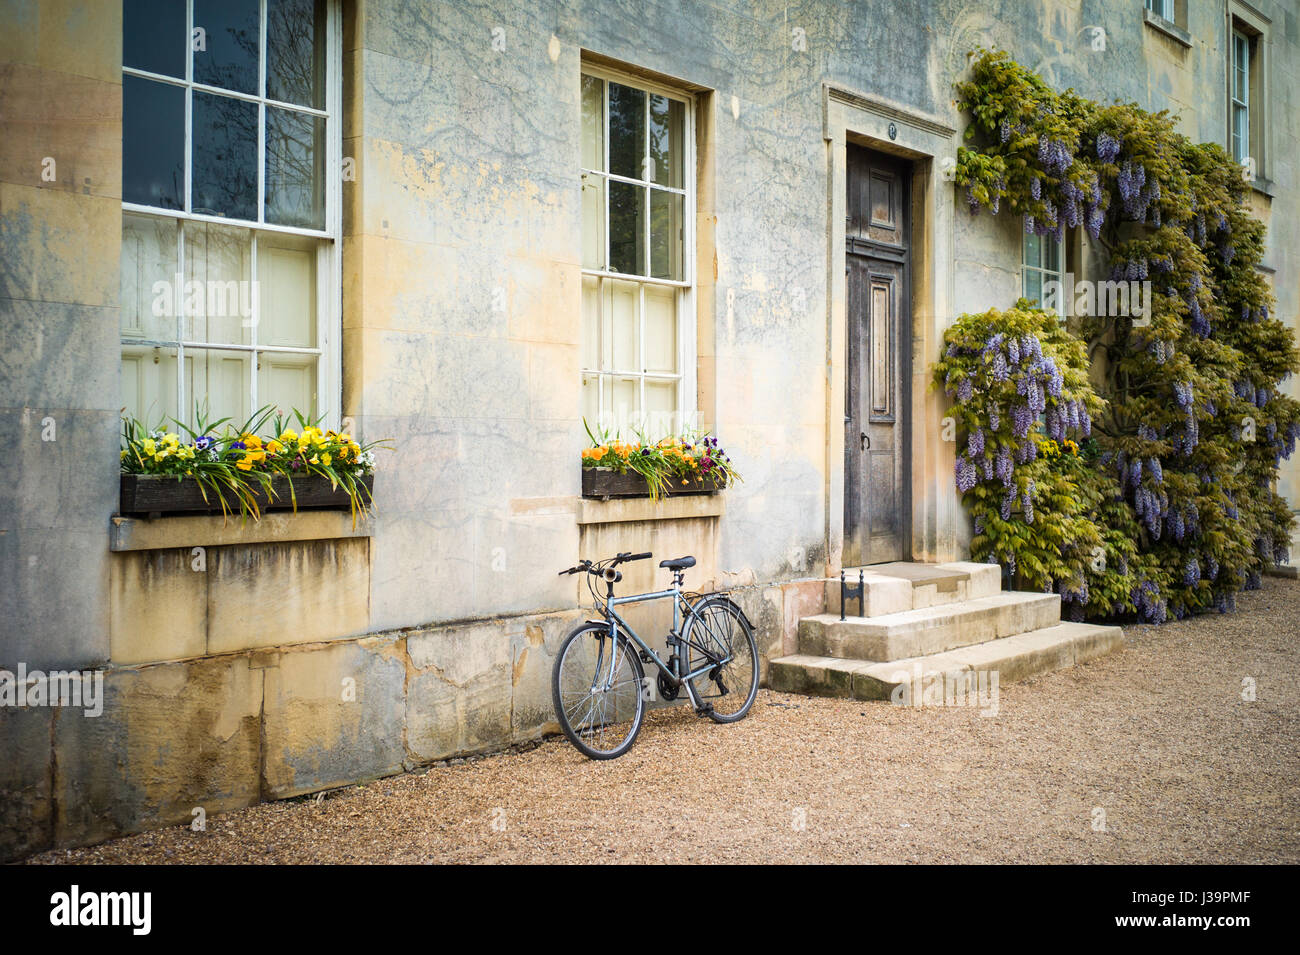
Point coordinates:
[[598, 684]]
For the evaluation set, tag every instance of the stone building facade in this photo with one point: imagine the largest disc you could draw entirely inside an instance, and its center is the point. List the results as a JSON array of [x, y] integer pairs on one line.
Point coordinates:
[[471, 226]]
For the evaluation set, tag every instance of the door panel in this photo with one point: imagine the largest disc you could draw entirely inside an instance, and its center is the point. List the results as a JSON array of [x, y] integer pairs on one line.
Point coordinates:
[[877, 517]]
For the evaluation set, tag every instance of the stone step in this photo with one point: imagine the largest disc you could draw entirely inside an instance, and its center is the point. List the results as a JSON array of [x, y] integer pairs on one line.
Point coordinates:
[[1011, 658], [917, 633], [891, 588]]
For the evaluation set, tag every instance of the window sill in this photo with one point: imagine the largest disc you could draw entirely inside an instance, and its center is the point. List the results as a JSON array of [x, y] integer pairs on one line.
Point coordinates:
[[620, 510], [1264, 187], [212, 530], [1171, 30]]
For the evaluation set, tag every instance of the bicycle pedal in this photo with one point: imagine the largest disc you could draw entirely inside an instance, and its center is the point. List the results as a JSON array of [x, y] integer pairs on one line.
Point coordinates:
[[704, 709]]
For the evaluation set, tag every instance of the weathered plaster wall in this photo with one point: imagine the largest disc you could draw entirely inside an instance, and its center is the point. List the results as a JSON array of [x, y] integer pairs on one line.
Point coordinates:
[[461, 342]]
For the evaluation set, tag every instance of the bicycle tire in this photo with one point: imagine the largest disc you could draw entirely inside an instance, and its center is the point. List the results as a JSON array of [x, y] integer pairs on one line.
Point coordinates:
[[577, 735], [701, 629]]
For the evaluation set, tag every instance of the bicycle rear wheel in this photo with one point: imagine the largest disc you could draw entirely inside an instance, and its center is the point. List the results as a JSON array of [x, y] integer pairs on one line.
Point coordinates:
[[596, 687], [718, 631]]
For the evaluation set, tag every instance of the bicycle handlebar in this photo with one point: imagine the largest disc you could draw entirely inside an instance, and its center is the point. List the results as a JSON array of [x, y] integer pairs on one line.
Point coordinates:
[[597, 571]]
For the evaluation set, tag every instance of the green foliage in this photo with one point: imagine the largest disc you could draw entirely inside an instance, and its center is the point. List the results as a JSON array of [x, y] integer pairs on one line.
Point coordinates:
[[1194, 430], [233, 464], [1022, 398], [692, 456]]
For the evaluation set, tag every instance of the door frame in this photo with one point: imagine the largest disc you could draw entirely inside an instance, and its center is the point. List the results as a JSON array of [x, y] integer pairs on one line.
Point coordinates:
[[935, 520], [872, 253]]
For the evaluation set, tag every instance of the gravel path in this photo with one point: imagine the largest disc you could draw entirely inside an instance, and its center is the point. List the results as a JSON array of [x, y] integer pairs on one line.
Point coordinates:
[[1158, 737]]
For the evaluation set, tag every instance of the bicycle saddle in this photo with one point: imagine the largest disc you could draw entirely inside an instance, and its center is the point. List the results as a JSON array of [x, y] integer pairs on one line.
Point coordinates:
[[678, 563]]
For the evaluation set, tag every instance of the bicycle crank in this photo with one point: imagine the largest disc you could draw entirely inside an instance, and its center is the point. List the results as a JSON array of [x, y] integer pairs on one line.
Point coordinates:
[[668, 688]]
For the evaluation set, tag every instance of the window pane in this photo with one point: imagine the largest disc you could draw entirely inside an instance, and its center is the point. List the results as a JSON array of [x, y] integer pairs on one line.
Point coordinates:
[[1240, 133], [1033, 251], [149, 384], [593, 221], [1051, 255], [660, 330], [626, 131], [593, 123], [226, 52], [153, 36], [224, 157], [622, 407], [218, 292], [1034, 285], [660, 408], [287, 382], [666, 144], [295, 51], [153, 143], [620, 331], [590, 322], [627, 228], [149, 305], [1240, 64], [218, 381], [286, 278], [666, 215], [591, 400], [295, 157]]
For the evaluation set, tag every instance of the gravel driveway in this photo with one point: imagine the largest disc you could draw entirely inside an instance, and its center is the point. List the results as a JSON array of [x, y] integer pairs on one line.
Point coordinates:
[[1156, 743]]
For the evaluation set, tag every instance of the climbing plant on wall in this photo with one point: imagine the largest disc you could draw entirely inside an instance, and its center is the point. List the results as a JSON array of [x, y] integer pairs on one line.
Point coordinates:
[[1023, 411], [1195, 425]]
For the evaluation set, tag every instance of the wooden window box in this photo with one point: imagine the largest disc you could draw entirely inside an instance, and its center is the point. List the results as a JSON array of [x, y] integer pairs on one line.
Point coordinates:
[[157, 494], [605, 484]]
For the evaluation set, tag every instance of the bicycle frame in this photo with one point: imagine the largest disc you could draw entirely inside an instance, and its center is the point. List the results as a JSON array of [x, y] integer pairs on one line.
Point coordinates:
[[680, 603]]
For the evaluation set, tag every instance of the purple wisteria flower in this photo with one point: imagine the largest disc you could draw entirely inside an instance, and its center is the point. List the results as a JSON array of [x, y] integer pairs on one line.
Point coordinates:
[[1108, 147], [965, 473]]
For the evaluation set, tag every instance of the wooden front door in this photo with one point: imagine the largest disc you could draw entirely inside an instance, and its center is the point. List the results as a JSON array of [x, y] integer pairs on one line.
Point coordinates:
[[877, 470]]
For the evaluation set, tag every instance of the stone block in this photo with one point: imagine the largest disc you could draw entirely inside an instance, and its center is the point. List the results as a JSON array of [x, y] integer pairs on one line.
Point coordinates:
[[171, 738], [459, 691], [159, 606], [334, 715], [26, 772], [263, 595]]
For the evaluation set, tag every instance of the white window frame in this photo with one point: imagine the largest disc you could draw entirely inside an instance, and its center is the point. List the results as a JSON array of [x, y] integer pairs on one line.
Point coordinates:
[[1239, 39], [686, 318], [1162, 8], [1045, 274], [329, 284]]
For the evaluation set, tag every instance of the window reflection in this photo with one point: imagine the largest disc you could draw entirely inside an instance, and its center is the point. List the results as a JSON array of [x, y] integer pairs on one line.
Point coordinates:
[[230, 41], [153, 36], [224, 157], [153, 143], [295, 46], [294, 161]]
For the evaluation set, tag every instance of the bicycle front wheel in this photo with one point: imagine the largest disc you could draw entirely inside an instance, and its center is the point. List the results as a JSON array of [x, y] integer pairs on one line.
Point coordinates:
[[597, 687], [719, 633]]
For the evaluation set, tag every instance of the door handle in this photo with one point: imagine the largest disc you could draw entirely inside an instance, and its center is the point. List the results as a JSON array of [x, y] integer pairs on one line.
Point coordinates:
[[866, 442]]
